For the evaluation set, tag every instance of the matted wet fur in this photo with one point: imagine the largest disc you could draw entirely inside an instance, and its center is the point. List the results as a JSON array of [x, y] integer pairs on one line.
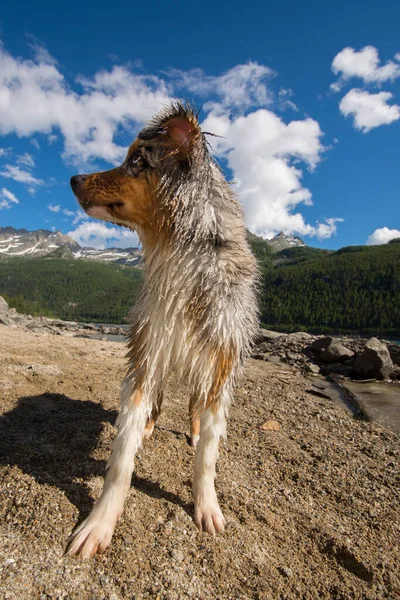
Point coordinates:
[[197, 310]]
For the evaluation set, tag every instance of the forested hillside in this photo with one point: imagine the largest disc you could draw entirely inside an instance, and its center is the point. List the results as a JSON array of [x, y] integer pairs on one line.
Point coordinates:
[[70, 289], [355, 288]]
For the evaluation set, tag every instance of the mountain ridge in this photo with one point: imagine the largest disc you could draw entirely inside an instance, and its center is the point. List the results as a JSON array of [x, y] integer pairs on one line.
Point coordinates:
[[40, 243], [54, 244]]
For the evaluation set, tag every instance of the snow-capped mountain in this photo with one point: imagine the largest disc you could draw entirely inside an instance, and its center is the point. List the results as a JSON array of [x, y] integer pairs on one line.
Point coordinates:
[[282, 241], [42, 242], [29, 244]]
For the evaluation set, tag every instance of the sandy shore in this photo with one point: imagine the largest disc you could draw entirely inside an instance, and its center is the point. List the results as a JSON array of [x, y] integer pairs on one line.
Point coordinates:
[[312, 509]]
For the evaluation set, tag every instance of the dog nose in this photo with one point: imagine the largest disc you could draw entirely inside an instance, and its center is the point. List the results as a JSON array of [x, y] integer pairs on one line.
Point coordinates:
[[76, 181]]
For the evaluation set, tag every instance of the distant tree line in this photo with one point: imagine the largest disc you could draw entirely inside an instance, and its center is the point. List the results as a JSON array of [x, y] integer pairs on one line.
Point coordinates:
[[70, 289], [355, 288]]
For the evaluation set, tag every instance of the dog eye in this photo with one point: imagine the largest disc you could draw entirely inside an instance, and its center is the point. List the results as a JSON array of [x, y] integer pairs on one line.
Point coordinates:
[[137, 163]]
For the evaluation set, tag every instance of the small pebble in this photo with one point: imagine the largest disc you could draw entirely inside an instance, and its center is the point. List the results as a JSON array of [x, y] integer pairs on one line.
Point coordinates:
[[177, 555], [286, 571]]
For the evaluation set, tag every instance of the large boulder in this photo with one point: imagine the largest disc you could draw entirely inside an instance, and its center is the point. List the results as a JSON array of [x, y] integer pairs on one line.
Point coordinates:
[[375, 361], [394, 351], [321, 344], [3, 305], [334, 352], [4, 312]]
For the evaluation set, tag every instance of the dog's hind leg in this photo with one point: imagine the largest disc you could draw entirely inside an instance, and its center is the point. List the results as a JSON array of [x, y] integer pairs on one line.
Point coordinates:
[[155, 413], [95, 533], [194, 421]]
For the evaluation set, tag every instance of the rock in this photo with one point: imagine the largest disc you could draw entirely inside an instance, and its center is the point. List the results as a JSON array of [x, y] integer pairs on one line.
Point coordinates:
[[65, 324], [396, 372], [312, 368], [265, 347], [3, 305], [320, 344], [4, 320], [265, 335], [292, 356], [271, 425], [273, 359], [335, 352], [286, 571], [338, 369], [258, 356], [299, 336], [20, 319], [319, 393], [177, 555], [394, 351], [375, 361]]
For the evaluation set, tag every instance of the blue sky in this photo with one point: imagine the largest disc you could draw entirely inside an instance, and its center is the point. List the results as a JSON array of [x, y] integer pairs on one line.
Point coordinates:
[[305, 96]]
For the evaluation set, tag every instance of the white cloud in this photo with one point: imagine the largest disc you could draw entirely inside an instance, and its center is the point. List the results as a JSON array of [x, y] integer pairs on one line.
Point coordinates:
[[68, 213], [20, 175], [261, 150], [364, 64], [327, 229], [7, 198], [55, 208], [284, 96], [80, 215], [369, 110], [88, 121], [26, 160], [4, 151], [35, 143], [265, 153], [383, 236], [98, 235], [240, 87]]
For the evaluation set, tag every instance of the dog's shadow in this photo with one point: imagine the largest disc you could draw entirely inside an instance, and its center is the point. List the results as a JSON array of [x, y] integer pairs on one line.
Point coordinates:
[[53, 438]]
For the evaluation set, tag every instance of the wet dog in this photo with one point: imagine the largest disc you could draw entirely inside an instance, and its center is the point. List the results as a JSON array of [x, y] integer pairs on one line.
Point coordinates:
[[197, 311]]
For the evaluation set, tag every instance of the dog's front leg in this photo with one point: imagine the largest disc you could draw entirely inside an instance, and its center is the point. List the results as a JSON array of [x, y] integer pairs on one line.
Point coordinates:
[[95, 533], [207, 513]]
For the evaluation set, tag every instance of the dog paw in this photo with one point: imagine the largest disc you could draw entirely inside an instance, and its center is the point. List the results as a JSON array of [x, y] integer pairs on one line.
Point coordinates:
[[208, 516], [194, 440], [148, 432], [91, 537]]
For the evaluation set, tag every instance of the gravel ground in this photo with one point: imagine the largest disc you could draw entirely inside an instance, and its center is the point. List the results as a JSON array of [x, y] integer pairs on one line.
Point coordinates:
[[311, 503]]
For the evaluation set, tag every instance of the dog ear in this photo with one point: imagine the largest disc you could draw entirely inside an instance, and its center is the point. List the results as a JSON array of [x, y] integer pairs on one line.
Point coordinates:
[[179, 132], [176, 135]]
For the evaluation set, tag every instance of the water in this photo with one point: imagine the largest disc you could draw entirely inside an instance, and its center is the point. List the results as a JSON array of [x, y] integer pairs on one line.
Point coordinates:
[[109, 338]]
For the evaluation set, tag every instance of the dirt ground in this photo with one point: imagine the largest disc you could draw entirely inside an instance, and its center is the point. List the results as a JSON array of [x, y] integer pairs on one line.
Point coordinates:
[[312, 509]]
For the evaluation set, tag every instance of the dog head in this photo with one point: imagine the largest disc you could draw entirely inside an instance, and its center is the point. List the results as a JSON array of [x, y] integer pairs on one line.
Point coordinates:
[[129, 194]]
